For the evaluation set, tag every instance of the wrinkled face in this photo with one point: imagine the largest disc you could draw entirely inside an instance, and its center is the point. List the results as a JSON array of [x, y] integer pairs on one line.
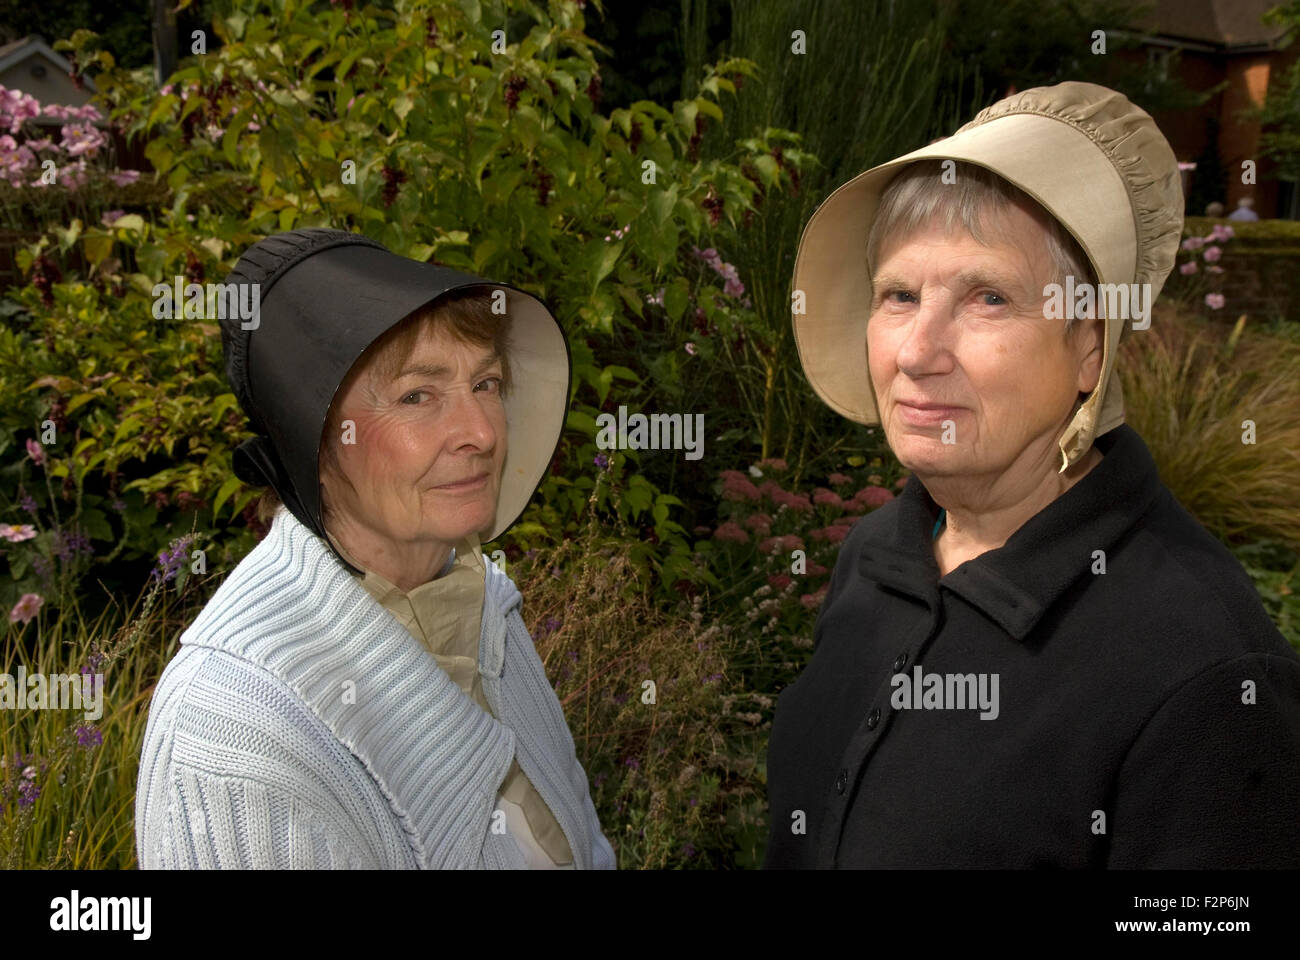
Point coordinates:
[[960, 325], [429, 446]]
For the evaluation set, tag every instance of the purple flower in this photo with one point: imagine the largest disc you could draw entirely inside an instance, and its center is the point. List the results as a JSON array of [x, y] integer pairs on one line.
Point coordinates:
[[172, 559], [713, 676], [601, 461], [688, 850], [89, 736], [633, 762], [26, 502], [69, 545], [28, 791]]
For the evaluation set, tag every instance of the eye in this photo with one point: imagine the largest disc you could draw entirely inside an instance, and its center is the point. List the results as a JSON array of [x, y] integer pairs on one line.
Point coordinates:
[[898, 291], [995, 296], [493, 384], [413, 393]]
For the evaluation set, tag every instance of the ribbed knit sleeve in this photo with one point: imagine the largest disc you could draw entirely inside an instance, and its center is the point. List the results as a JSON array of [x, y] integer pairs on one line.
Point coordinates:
[[240, 775], [234, 823]]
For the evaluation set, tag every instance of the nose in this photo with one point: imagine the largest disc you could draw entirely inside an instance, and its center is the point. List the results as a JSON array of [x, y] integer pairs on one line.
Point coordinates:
[[471, 428], [924, 345]]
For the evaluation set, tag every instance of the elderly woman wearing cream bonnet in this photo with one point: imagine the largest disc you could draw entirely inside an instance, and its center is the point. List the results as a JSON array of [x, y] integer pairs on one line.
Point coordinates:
[[361, 691], [1034, 656]]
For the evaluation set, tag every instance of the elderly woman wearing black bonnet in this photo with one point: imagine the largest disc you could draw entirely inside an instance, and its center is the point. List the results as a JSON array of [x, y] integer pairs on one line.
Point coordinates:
[[1034, 656], [361, 691]]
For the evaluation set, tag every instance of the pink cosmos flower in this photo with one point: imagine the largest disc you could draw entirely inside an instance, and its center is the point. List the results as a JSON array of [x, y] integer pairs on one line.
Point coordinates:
[[1188, 268], [35, 451], [18, 533], [26, 608], [1214, 301], [1212, 254]]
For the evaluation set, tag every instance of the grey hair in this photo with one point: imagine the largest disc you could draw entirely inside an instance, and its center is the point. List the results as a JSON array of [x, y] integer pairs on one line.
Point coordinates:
[[918, 195]]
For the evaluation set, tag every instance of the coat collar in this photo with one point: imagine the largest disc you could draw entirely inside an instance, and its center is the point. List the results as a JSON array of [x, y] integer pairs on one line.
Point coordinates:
[[371, 683], [1018, 582]]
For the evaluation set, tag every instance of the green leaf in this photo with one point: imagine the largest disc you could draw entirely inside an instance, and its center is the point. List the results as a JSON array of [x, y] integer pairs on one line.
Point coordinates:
[[676, 296], [227, 488], [80, 400], [661, 203]]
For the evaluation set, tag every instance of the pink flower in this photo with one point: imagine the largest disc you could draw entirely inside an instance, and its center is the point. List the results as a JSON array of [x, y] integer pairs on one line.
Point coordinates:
[[1214, 300], [760, 523], [873, 496], [81, 139], [774, 463], [35, 451], [124, 178], [166, 91], [779, 581], [26, 608], [731, 532], [781, 544], [1193, 243], [17, 534], [1221, 231], [690, 348], [812, 601], [832, 534], [1212, 254], [827, 498], [815, 569], [839, 480], [736, 486], [1188, 268], [111, 216]]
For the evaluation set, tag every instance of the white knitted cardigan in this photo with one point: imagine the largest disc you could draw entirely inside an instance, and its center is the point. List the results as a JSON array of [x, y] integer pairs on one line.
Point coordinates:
[[301, 726]]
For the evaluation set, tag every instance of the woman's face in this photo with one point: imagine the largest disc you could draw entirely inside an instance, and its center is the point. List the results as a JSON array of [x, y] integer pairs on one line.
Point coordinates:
[[429, 446], [961, 325]]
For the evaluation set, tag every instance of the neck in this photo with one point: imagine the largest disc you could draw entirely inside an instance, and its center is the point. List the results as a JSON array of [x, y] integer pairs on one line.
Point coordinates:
[[405, 564], [983, 512]]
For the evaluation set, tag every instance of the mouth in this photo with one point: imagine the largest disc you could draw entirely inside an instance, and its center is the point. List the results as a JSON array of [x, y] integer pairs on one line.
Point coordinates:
[[476, 482], [923, 414]]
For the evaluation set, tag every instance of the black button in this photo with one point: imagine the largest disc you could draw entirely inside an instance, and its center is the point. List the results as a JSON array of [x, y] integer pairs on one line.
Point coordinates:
[[900, 663], [873, 718], [842, 781]]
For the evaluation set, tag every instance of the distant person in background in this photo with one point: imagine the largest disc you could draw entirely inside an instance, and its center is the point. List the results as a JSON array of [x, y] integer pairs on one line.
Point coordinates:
[[1215, 209], [1245, 210]]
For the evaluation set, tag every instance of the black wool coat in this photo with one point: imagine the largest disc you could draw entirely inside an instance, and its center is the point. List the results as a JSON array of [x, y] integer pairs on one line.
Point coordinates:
[[1144, 717]]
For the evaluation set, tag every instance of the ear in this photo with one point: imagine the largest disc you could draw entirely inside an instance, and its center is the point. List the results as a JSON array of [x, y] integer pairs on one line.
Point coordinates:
[[1089, 344]]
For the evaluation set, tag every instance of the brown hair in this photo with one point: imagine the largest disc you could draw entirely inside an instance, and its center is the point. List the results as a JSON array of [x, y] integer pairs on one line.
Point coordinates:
[[465, 315]]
